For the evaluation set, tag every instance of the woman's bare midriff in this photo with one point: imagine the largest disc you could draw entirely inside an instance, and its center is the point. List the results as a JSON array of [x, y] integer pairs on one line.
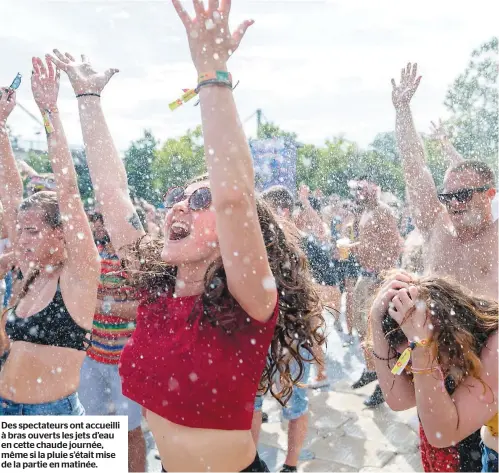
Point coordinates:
[[188, 449], [36, 374]]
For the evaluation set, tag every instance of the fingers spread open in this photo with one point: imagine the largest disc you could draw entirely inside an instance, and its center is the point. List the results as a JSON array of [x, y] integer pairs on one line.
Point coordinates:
[[57, 62], [184, 16], [61, 56], [71, 58]]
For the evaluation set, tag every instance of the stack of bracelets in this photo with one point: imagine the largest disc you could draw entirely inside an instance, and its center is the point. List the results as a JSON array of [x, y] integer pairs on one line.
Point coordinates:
[[218, 78]]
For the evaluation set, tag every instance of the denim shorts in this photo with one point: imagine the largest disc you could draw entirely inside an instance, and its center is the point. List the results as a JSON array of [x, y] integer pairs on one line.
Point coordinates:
[[489, 459], [67, 406], [100, 393], [298, 403]]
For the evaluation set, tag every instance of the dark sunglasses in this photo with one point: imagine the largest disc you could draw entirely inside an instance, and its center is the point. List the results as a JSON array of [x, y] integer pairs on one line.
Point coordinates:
[[200, 199], [462, 196]]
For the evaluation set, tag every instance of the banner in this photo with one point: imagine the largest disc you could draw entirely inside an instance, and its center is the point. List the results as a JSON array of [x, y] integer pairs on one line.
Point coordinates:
[[274, 161]]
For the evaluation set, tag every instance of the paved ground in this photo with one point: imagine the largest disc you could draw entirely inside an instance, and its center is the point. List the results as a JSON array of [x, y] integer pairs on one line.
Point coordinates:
[[343, 434]]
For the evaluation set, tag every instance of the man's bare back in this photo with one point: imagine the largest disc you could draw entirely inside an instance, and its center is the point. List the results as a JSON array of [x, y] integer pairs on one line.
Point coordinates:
[[379, 238]]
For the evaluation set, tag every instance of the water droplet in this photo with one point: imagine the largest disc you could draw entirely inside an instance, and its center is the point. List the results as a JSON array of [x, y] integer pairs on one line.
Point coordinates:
[[80, 235], [216, 57], [253, 341], [172, 384], [49, 268], [218, 40], [214, 391], [59, 369], [438, 435], [269, 283], [39, 380], [209, 24], [194, 34], [64, 170], [193, 377], [211, 151]]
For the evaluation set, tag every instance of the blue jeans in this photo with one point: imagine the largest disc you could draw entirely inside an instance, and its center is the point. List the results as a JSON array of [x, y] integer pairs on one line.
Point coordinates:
[[298, 402], [489, 459], [67, 406], [100, 393]]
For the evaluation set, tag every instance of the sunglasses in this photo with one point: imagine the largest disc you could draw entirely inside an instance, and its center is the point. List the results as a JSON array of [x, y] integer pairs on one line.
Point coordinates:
[[462, 196], [200, 199]]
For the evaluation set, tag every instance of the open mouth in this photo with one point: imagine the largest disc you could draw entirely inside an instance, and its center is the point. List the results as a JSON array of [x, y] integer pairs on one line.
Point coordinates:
[[179, 231], [458, 212]]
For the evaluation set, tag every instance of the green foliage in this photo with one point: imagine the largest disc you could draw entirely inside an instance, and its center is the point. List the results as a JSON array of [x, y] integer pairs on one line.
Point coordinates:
[[84, 182], [138, 162], [473, 101], [178, 160], [40, 162]]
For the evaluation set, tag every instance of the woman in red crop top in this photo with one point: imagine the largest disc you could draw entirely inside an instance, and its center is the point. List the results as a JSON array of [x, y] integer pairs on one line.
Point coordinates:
[[47, 325], [227, 282]]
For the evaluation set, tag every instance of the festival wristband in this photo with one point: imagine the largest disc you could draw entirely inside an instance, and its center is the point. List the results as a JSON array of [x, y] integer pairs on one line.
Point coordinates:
[[431, 370], [47, 122], [218, 78], [87, 95], [406, 356]]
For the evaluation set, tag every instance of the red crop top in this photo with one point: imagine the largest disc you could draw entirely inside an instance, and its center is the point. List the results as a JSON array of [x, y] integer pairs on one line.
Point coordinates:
[[192, 373]]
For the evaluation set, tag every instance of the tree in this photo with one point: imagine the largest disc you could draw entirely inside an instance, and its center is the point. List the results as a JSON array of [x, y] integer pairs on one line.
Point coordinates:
[[473, 101], [385, 144], [178, 160], [270, 130], [139, 162], [84, 181], [40, 162]]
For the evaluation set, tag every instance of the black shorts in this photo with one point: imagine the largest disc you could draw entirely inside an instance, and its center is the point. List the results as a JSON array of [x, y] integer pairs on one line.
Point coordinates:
[[257, 465], [347, 269]]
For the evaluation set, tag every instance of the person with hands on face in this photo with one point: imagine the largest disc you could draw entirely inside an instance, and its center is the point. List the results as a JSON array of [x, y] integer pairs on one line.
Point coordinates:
[[435, 347], [224, 284], [47, 328]]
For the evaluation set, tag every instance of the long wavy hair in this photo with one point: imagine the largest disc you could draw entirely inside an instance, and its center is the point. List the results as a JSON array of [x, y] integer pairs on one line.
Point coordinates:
[[300, 322], [462, 324]]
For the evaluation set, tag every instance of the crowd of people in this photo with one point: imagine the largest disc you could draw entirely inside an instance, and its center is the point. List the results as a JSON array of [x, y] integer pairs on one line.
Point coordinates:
[[189, 315]]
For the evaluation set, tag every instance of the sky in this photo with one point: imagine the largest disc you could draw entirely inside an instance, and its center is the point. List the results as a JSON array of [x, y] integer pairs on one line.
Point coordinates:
[[318, 68]]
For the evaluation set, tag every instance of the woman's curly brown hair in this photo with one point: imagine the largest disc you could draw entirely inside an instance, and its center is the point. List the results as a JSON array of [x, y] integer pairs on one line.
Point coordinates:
[[300, 322], [462, 324]]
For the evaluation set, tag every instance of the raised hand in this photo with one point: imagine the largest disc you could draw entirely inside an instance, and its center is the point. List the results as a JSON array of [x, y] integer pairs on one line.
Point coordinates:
[[45, 84], [439, 132], [409, 82], [7, 103], [210, 40], [83, 77]]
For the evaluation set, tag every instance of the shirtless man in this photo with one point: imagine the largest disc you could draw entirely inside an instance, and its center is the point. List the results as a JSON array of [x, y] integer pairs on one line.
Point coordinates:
[[457, 225], [378, 248]]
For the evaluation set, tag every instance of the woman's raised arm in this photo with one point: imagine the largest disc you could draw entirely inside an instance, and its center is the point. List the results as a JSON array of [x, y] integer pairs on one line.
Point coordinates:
[[11, 184], [228, 158], [106, 167], [82, 264]]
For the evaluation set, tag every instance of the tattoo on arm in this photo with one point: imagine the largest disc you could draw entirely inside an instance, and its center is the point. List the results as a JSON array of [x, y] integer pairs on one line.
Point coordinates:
[[134, 221]]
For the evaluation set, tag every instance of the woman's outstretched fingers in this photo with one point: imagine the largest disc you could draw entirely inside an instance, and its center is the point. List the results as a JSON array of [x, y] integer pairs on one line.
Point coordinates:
[[36, 66], [239, 33], [110, 73], [71, 58], [61, 56], [199, 9], [50, 70], [57, 62], [183, 15], [225, 6], [213, 6]]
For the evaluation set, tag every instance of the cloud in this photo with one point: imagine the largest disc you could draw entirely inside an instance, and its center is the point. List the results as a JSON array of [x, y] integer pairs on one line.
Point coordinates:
[[315, 67]]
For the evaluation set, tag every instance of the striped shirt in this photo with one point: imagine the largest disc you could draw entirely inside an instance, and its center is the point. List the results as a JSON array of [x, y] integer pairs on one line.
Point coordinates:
[[110, 333]]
